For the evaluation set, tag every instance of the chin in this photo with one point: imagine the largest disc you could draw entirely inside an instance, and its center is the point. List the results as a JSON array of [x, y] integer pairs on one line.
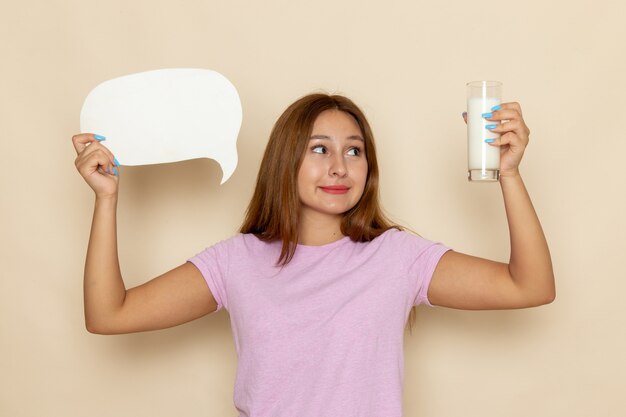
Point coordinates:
[[327, 211]]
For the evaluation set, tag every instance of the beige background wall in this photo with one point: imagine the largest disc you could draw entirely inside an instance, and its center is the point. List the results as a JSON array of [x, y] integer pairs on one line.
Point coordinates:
[[406, 63]]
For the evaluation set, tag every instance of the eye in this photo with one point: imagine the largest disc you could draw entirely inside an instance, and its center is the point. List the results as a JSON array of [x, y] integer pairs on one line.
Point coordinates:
[[354, 151], [319, 149]]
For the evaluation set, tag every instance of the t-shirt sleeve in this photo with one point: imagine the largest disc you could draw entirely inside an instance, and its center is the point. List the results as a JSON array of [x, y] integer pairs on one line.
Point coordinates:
[[422, 256], [213, 264]]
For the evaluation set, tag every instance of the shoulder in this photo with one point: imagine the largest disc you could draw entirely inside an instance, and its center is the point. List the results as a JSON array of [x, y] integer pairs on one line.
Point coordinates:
[[247, 242], [240, 248], [234, 243], [398, 237], [407, 244]]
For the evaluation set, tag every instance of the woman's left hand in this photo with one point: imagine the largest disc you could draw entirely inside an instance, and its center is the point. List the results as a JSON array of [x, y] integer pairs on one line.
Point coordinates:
[[513, 136]]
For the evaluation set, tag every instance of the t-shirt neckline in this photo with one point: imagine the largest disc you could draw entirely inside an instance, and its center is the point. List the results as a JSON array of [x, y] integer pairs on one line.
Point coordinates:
[[330, 245]]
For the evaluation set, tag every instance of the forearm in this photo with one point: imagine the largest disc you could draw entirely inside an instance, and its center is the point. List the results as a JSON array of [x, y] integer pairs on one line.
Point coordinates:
[[104, 289], [530, 264]]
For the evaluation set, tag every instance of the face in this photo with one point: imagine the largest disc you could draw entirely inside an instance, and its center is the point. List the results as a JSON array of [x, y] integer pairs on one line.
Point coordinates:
[[334, 168]]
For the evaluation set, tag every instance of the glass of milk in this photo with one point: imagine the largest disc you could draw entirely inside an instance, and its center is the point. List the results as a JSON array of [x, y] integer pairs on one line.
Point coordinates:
[[483, 160]]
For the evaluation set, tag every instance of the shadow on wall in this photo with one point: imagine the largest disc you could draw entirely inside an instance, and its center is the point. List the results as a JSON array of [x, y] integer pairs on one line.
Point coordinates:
[[497, 325], [174, 181], [154, 346]]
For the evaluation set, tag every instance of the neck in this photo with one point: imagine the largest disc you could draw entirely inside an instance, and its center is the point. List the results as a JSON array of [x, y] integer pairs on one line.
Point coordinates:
[[317, 230]]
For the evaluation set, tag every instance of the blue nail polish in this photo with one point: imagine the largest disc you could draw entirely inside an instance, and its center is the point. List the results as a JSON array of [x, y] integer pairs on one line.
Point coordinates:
[[494, 108], [98, 137], [116, 162], [490, 140], [115, 170], [487, 115], [491, 126]]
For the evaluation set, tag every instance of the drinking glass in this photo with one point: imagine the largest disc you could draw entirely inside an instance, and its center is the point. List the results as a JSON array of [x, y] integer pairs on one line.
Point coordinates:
[[483, 160]]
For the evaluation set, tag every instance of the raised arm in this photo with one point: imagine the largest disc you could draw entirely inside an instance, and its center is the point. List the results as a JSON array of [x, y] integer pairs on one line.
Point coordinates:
[[175, 297], [467, 282]]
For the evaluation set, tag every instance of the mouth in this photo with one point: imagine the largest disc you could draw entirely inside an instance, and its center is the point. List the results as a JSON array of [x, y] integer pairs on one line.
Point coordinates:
[[335, 189]]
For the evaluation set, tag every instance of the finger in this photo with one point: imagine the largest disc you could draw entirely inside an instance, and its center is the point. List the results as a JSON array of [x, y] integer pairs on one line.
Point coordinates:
[[94, 146], [507, 120], [498, 142], [464, 114], [509, 126], [516, 127], [95, 151], [83, 140], [514, 105], [96, 160], [503, 140], [107, 165], [509, 142], [503, 114]]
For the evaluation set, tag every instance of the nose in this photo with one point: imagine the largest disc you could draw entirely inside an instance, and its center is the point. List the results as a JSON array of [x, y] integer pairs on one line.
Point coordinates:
[[338, 166]]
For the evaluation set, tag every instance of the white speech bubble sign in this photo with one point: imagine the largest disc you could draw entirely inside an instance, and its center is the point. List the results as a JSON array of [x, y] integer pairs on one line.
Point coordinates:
[[166, 115]]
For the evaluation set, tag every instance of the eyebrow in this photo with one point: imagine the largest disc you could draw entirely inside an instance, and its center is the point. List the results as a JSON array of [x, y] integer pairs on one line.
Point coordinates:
[[353, 137]]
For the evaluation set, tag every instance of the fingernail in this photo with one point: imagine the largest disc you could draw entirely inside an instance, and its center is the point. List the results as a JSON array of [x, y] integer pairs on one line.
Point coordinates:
[[463, 114], [487, 115], [98, 137], [494, 108], [118, 164], [115, 171], [490, 140], [491, 126]]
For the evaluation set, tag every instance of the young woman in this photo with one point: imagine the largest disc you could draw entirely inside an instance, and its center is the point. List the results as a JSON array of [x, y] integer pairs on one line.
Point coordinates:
[[318, 284]]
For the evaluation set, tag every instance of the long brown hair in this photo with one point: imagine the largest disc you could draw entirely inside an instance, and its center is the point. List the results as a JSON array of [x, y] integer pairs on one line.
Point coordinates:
[[273, 211]]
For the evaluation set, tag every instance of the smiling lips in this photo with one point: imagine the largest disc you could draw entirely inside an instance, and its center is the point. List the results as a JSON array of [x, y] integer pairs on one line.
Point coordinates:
[[335, 189]]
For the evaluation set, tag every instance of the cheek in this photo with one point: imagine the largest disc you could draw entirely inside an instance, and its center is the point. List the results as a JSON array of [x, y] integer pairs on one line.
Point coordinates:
[[306, 176], [359, 177], [309, 171], [362, 172], [302, 174]]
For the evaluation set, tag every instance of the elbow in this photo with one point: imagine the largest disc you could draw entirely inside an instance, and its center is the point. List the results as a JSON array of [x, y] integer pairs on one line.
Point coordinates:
[[546, 299], [91, 324], [94, 327], [550, 295], [99, 330], [537, 301], [546, 296], [99, 322], [539, 295]]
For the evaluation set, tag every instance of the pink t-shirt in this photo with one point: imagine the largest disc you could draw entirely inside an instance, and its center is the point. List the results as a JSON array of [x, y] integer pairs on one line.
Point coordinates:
[[324, 335]]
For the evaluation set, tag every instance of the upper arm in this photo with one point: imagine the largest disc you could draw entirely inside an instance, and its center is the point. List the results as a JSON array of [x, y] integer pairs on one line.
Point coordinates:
[[176, 297], [470, 283]]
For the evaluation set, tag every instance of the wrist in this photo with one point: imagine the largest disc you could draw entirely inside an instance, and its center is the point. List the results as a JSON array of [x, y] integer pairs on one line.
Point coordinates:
[[104, 200], [513, 173]]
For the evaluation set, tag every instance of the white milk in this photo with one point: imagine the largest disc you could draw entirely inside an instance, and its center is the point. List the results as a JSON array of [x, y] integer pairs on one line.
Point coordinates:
[[480, 155]]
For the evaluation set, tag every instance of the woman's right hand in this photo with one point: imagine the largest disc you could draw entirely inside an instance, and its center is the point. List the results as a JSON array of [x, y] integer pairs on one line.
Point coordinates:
[[96, 164]]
